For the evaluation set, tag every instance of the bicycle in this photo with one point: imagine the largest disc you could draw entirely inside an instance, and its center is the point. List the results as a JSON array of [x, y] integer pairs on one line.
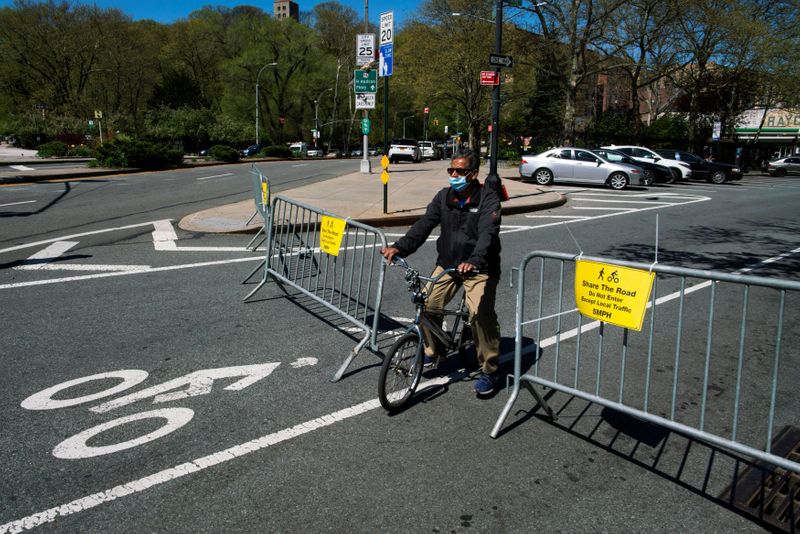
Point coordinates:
[[403, 365]]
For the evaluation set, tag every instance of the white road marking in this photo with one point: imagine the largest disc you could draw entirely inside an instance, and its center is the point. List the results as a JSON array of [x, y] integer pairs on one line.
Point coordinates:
[[582, 199], [164, 235], [301, 165], [187, 468], [73, 236], [602, 209], [76, 447], [126, 273], [81, 267], [215, 176], [303, 362], [44, 400], [164, 239], [197, 383], [22, 168], [48, 254], [18, 203], [555, 217]]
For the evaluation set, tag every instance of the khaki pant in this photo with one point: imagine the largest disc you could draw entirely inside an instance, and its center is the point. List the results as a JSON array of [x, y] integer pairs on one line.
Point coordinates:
[[481, 292]]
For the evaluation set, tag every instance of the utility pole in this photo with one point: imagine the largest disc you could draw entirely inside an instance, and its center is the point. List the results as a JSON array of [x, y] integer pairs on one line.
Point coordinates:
[[365, 165], [493, 180]]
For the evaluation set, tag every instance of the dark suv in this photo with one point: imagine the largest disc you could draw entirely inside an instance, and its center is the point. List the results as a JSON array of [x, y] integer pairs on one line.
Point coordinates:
[[710, 171]]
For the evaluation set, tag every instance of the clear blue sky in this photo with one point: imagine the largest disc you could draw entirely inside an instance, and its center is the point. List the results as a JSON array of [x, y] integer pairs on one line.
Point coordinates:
[[170, 10]]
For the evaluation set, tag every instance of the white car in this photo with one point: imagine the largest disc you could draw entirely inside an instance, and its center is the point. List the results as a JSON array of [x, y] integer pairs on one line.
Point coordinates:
[[577, 165], [404, 149], [314, 153], [680, 169], [429, 150]]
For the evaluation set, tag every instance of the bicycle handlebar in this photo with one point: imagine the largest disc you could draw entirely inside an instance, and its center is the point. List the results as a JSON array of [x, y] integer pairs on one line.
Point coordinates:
[[401, 262]]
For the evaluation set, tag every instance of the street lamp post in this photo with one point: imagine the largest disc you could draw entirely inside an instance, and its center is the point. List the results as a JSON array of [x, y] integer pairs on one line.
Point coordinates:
[[493, 179], [316, 115], [404, 124], [258, 76]]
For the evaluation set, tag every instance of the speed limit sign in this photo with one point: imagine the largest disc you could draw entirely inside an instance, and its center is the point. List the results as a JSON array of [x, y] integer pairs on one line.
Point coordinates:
[[365, 48], [387, 27]]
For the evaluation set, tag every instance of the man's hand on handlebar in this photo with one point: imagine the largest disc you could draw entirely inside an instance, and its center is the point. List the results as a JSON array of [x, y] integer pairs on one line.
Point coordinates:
[[466, 268], [389, 253]]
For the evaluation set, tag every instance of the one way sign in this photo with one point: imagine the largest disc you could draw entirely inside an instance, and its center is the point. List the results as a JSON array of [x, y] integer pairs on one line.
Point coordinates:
[[497, 60]]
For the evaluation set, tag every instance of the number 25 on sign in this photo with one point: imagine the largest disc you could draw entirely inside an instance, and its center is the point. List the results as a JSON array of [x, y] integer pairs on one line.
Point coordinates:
[[330, 234]]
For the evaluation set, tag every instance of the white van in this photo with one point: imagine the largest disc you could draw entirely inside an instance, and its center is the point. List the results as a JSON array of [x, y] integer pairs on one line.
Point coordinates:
[[299, 149]]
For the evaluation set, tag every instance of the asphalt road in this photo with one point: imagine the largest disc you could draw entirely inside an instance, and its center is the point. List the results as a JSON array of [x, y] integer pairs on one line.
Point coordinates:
[[266, 442]]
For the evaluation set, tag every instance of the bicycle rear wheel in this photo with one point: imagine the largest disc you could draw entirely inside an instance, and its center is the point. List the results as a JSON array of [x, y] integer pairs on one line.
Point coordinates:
[[401, 372]]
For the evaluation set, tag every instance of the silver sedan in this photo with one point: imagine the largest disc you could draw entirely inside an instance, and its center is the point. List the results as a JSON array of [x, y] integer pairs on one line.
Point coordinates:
[[577, 165]]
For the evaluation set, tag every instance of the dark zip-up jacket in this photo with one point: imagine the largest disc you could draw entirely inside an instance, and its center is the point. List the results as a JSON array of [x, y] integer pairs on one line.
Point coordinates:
[[469, 233]]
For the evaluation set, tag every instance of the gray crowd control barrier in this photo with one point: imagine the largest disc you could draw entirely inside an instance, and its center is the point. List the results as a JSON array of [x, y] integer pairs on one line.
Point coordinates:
[[350, 283], [261, 198], [680, 372]]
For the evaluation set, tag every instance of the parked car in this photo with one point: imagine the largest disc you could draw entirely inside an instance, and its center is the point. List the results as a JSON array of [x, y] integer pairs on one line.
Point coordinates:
[[784, 166], [710, 171], [404, 150], [577, 165], [315, 153], [252, 150], [651, 172], [356, 153], [334, 153], [430, 150], [680, 170]]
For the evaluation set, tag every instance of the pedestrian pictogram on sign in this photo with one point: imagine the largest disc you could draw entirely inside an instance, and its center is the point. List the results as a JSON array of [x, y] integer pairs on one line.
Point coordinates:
[[612, 294]]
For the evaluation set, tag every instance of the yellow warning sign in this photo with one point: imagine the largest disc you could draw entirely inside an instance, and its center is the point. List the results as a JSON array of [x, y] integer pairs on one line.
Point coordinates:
[[612, 294], [385, 177], [330, 234], [264, 191], [385, 162]]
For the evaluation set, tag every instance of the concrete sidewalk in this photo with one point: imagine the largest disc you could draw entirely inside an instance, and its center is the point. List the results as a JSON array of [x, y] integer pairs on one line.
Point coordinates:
[[360, 197]]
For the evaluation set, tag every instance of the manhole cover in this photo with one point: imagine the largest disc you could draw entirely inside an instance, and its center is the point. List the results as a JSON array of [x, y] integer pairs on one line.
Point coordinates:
[[771, 495]]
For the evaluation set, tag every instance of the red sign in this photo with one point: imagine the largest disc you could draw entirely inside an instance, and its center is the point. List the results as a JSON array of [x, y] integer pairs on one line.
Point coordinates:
[[489, 127], [490, 77], [426, 110]]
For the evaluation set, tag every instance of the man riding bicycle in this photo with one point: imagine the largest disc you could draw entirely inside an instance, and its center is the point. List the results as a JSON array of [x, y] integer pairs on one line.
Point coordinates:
[[468, 215]]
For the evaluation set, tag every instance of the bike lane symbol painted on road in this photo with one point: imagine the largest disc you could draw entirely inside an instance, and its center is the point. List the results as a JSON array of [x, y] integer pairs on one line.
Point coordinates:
[[194, 384]]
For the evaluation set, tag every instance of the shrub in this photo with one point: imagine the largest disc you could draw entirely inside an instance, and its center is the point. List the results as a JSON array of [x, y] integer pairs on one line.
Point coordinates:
[[223, 153], [137, 154], [52, 149], [276, 151], [508, 153], [80, 151]]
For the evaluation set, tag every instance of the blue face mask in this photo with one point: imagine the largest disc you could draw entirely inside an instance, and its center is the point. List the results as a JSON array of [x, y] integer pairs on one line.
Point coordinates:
[[458, 183]]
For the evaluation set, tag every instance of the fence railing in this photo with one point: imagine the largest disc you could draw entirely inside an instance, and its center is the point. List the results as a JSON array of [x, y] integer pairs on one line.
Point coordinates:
[[261, 199], [708, 363], [348, 279]]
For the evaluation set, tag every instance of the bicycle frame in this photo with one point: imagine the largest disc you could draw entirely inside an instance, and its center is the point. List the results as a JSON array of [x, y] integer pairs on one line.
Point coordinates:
[[448, 339]]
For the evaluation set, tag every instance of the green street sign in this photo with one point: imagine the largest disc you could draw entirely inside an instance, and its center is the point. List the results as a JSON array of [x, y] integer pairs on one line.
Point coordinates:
[[365, 81], [365, 125]]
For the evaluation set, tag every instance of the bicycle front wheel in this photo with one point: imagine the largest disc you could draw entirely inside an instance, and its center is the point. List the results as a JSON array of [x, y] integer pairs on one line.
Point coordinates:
[[401, 372]]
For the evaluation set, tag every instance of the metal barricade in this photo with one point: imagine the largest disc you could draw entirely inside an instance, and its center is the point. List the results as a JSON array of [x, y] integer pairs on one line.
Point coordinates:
[[261, 198], [733, 391], [350, 284]]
